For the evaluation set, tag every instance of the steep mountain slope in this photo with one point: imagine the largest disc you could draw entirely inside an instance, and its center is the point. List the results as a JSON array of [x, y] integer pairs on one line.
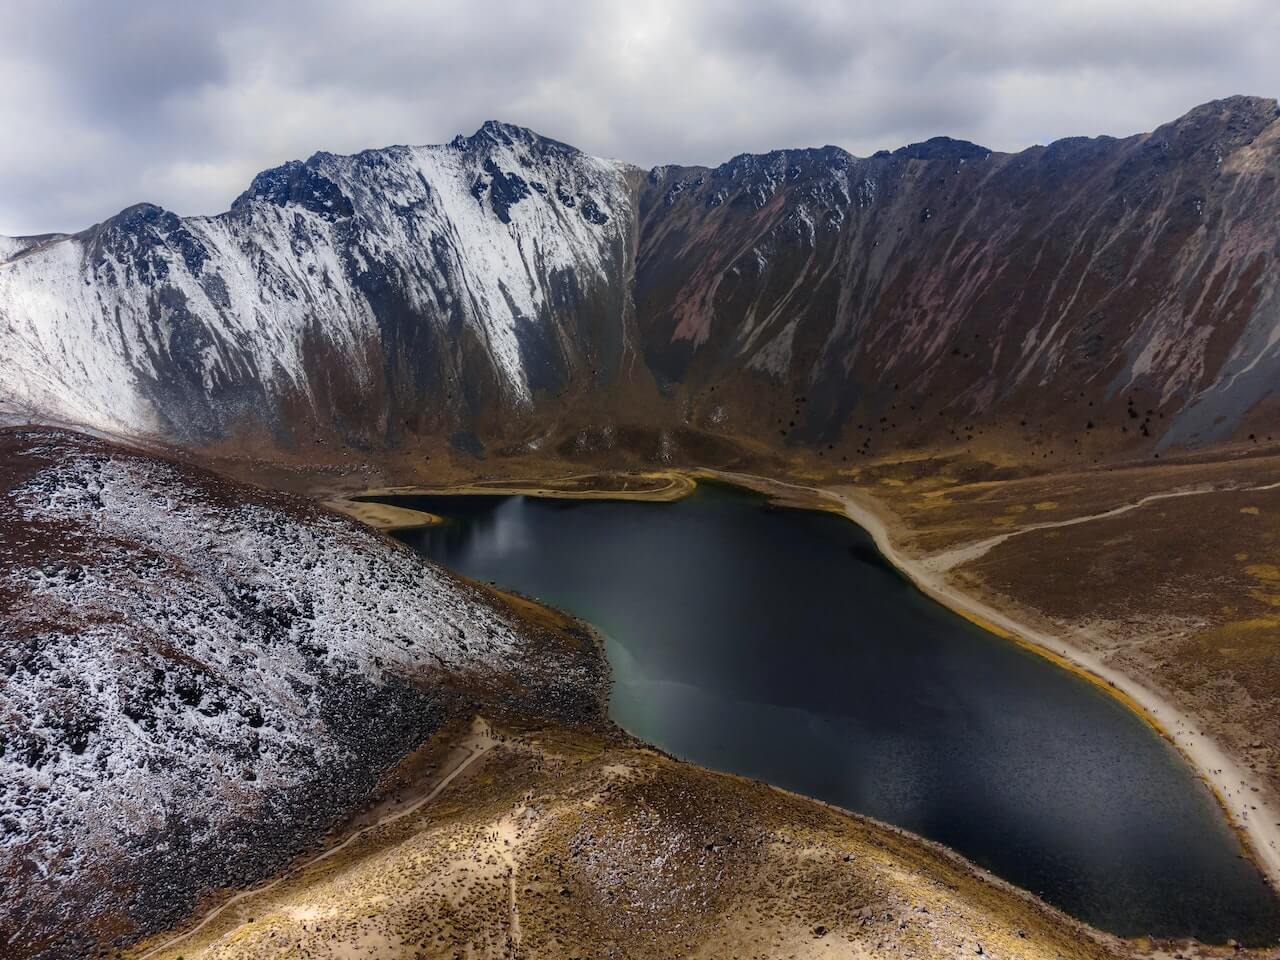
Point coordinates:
[[199, 678], [412, 288], [1070, 301], [913, 294]]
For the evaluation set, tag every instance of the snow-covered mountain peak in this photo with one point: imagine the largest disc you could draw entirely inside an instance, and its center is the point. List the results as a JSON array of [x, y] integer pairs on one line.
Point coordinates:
[[493, 133], [466, 291], [299, 184], [433, 259]]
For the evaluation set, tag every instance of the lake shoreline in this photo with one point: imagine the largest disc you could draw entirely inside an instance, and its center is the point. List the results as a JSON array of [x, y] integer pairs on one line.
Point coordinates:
[[382, 516], [1221, 772], [659, 486]]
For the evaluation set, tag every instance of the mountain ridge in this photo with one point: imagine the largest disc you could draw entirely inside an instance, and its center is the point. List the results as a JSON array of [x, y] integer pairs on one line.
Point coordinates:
[[507, 287], [1264, 107]]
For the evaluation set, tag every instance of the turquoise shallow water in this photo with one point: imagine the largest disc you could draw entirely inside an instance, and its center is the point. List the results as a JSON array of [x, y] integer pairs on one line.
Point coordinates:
[[780, 645]]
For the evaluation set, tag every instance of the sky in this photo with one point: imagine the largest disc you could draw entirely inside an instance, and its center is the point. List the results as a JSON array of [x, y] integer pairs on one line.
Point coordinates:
[[180, 103]]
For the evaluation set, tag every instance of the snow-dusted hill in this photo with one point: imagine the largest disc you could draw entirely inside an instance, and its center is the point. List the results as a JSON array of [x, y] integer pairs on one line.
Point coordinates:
[[11, 246], [197, 678], [332, 292]]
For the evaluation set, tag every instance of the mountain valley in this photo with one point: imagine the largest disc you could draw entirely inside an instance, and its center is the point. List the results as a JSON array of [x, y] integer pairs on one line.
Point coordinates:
[[1046, 378]]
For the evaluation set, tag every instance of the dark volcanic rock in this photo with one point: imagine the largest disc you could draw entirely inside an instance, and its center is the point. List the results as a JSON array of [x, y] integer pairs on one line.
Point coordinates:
[[301, 185]]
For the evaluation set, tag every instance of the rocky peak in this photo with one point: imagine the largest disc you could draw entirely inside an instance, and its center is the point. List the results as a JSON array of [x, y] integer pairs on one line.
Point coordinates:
[[141, 226], [496, 134], [298, 184], [942, 148], [1225, 124], [1238, 108], [141, 215]]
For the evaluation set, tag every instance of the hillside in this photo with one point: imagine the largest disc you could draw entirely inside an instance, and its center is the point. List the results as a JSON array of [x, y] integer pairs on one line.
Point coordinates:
[[201, 678], [552, 845]]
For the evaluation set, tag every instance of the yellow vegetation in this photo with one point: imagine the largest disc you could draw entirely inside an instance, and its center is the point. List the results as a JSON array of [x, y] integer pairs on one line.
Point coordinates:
[[1264, 571]]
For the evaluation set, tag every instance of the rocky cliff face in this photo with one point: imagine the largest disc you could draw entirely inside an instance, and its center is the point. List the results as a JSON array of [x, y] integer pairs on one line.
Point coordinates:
[[1119, 285], [1072, 300]]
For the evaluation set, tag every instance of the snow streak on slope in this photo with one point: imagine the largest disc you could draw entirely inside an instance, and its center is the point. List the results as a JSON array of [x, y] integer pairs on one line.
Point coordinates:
[[11, 246], [133, 324], [563, 212]]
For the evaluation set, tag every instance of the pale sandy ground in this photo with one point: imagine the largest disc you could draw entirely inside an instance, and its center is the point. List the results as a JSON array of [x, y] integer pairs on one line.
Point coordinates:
[[552, 845], [660, 486], [1238, 789], [382, 516]]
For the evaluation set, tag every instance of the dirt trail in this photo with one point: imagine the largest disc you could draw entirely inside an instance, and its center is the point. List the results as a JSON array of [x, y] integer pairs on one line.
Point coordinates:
[[947, 559], [479, 742], [1237, 788], [508, 840]]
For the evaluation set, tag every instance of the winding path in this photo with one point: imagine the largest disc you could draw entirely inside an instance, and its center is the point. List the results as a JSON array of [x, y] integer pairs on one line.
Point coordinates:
[[947, 559], [477, 744]]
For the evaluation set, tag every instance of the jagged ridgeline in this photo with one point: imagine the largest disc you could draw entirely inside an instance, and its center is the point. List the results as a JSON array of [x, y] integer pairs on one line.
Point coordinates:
[[505, 287]]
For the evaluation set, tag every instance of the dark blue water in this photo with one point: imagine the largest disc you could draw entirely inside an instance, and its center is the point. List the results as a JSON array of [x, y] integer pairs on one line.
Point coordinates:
[[780, 645]]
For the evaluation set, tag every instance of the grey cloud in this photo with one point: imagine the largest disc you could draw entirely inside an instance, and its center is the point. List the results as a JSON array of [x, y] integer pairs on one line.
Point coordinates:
[[118, 67], [181, 102]]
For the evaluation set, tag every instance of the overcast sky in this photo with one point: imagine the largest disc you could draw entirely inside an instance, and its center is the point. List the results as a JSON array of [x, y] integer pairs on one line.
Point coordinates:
[[104, 104]]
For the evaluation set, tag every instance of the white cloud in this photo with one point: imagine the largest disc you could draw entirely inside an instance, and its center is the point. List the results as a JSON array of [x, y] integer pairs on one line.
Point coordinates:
[[180, 102]]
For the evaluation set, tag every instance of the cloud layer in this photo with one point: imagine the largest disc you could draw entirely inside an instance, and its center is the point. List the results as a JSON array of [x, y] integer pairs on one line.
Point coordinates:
[[180, 103]]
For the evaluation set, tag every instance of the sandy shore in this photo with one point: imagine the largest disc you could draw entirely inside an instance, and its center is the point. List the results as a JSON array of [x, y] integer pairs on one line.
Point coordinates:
[[382, 516], [1238, 790], [663, 486]]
